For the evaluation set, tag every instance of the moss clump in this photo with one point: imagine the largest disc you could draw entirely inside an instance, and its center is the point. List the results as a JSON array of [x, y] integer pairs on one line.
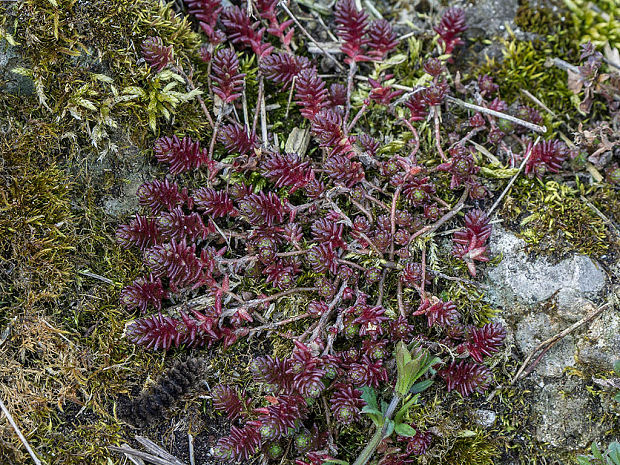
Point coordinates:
[[554, 218], [596, 21], [525, 65], [476, 448], [536, 19]]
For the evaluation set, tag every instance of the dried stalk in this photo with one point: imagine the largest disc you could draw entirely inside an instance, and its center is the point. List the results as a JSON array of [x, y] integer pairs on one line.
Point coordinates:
[[21, 437]]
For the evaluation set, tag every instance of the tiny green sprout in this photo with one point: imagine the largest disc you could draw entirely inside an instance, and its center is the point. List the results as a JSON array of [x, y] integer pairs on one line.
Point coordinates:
[[411, 366]]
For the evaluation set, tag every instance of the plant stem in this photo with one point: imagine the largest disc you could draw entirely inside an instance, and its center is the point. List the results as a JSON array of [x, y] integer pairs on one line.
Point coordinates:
[[370, 448]]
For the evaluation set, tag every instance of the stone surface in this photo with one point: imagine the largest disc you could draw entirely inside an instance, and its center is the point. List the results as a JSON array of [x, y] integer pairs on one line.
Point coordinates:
[[534, 329], [600, 345], [488, 18], [534, 281], [485, 418], [571, 306], [566, 415], [540, 299]]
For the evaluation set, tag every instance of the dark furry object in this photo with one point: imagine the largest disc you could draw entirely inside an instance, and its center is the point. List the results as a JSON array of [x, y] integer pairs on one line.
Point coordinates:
[[168, 388]]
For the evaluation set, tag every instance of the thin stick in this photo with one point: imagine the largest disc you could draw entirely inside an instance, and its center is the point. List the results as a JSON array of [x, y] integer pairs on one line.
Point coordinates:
[[19, 433], [438, 134], [406, 36], [319, 18], [600, 215], [361, 208], [96, 276], [471, 106], [128, 451], [433, 227], [263, 119], [290, 96], [352, 69], [547, 344], [538, 102], [310, 38], [327, 313], [190, 441], [566, 66], [256, 302], [513, 179], [423, 270], [393, 219], [356, 118], [215, 129], [381, 288], [399, 296], [276, 324], [191, 85], [244, 104], [259, 100]]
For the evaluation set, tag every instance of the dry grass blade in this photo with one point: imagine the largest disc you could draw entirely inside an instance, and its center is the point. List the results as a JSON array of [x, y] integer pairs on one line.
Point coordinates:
[[9, 417], [513, 179], [162, 457]]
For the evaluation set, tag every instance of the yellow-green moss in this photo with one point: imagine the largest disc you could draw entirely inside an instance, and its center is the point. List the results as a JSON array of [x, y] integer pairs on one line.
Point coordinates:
[[596, 21], [555, 219], [476, 448]]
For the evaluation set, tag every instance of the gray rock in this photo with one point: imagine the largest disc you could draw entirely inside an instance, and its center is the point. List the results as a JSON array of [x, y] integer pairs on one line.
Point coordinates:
[[566, 416], [534, 329], [540, 299], [534, 281], [488, 18], [599, 347], [485, 418], [571, 305]]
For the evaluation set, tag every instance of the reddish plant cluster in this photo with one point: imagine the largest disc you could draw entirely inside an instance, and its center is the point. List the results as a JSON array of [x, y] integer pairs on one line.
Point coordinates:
[[340, 227]]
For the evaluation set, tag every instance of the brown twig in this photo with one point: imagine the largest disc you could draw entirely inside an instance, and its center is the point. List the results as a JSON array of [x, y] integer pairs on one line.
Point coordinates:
[[356, 118], [290, 96], [438, 134], [433, 227], [259, 100], [399, 297], [381, 288], [331, 337], [263, 300], [352, 69], [548, 343], [191, 85], [423, 270], [327, 313], [275, 324]]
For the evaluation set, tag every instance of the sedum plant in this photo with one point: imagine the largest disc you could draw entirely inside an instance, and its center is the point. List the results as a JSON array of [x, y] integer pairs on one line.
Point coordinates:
[[248, 222]]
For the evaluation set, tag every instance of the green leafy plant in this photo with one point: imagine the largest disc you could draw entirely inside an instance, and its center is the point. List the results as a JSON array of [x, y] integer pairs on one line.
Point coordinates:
[[411, 365], [610, 457]]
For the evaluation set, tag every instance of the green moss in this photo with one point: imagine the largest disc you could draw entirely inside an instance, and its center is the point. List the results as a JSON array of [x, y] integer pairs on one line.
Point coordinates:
[[554, 218], [525, 66], [596, 21], [536, 19], [477, 448]]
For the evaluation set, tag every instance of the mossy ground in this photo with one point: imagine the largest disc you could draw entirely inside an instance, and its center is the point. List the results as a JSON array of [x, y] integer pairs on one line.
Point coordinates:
[[68, 145]]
